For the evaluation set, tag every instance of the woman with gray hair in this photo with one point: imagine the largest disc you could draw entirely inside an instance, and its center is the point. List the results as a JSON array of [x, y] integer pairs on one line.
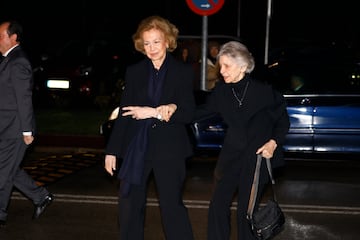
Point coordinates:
[[257, 122]]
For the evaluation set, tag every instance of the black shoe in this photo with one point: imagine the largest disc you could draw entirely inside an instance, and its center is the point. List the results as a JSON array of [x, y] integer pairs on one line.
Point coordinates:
[[40, 208], [2, 223]]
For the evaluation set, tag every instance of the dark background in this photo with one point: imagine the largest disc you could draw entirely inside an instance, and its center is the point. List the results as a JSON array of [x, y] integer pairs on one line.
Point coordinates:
[[49, 24]]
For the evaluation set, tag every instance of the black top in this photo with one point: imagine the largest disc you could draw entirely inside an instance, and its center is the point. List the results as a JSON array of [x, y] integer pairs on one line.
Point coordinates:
[[261, 117]]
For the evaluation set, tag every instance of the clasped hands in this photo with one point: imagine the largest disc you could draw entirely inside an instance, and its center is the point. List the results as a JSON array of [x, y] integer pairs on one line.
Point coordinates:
[[162, 112]]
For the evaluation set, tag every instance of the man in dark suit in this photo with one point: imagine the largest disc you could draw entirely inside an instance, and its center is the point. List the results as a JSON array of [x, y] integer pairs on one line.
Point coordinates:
[[17, 122]]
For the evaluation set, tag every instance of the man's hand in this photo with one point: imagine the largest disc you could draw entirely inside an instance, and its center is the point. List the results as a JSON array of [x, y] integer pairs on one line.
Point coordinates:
[[28, 139]]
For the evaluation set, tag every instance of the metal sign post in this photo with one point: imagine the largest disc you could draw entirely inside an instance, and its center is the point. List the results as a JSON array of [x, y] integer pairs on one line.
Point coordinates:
[[204, 54], [204, 8]]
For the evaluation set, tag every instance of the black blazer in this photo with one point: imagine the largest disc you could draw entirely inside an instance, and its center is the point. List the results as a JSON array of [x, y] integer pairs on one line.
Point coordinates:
[[166, 139], [16, 83]]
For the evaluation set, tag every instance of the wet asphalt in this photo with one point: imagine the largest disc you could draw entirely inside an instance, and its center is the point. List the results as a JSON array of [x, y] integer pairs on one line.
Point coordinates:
[[85, 207]]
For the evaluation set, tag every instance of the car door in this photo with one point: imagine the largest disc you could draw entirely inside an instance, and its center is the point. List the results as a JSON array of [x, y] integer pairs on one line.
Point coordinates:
[[301, 133], [337, 123], [209, 132]]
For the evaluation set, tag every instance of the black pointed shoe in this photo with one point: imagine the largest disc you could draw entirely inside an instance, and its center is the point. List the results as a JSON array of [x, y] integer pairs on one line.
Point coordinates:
[[40, 208]]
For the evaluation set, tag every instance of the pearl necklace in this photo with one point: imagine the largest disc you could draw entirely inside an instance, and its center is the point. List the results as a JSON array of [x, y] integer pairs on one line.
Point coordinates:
[[240, 101]]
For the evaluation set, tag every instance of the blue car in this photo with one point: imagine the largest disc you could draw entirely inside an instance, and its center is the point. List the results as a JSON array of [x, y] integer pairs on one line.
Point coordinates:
[[318, 123]]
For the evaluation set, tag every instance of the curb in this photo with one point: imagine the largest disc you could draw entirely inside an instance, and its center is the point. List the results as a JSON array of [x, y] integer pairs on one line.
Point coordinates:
[[56, 149], [68, 143]]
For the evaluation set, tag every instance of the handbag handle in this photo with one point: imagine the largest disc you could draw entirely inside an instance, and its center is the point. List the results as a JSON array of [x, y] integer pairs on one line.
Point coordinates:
[[255, 185]]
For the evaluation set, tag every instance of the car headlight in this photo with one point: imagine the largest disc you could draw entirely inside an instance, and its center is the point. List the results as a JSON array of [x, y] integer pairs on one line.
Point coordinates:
[[58, 83]]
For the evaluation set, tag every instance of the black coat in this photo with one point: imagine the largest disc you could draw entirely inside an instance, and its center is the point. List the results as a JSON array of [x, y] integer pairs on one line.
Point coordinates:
[[165, 138], [263, 116]]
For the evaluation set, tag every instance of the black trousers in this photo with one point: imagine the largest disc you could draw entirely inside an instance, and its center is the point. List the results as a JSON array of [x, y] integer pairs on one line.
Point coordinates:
[[169, 178], [219, 216], [12, 152]]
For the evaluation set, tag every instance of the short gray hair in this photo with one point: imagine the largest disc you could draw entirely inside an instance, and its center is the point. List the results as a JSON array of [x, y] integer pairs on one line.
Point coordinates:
[[240, 53]]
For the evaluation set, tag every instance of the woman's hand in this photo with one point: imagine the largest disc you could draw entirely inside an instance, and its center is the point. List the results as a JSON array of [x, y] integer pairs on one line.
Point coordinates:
[[267, 150], [162, 112], [110, 164], [166, 111], [140, 112]]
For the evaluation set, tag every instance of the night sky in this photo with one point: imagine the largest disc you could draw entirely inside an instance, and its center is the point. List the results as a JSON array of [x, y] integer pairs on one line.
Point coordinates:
[[306, 22]]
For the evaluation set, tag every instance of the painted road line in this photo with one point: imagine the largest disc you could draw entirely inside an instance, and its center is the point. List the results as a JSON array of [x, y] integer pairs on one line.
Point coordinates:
[[199, 204]]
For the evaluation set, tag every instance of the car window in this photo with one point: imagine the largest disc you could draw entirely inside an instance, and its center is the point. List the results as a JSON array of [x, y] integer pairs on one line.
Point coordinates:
[[314, 70]]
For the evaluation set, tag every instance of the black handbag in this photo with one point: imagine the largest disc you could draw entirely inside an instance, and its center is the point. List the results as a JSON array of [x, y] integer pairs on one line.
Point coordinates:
[[269, 220]]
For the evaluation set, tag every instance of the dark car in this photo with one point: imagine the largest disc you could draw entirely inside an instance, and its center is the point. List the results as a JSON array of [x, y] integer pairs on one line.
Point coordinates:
[[81, 72], [323, 103]]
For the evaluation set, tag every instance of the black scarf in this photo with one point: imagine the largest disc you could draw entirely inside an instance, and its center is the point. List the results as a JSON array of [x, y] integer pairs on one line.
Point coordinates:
[[132, 167]]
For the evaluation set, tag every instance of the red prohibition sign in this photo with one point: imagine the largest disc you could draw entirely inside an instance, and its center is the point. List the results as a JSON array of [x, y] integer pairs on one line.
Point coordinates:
[[205, 7]]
